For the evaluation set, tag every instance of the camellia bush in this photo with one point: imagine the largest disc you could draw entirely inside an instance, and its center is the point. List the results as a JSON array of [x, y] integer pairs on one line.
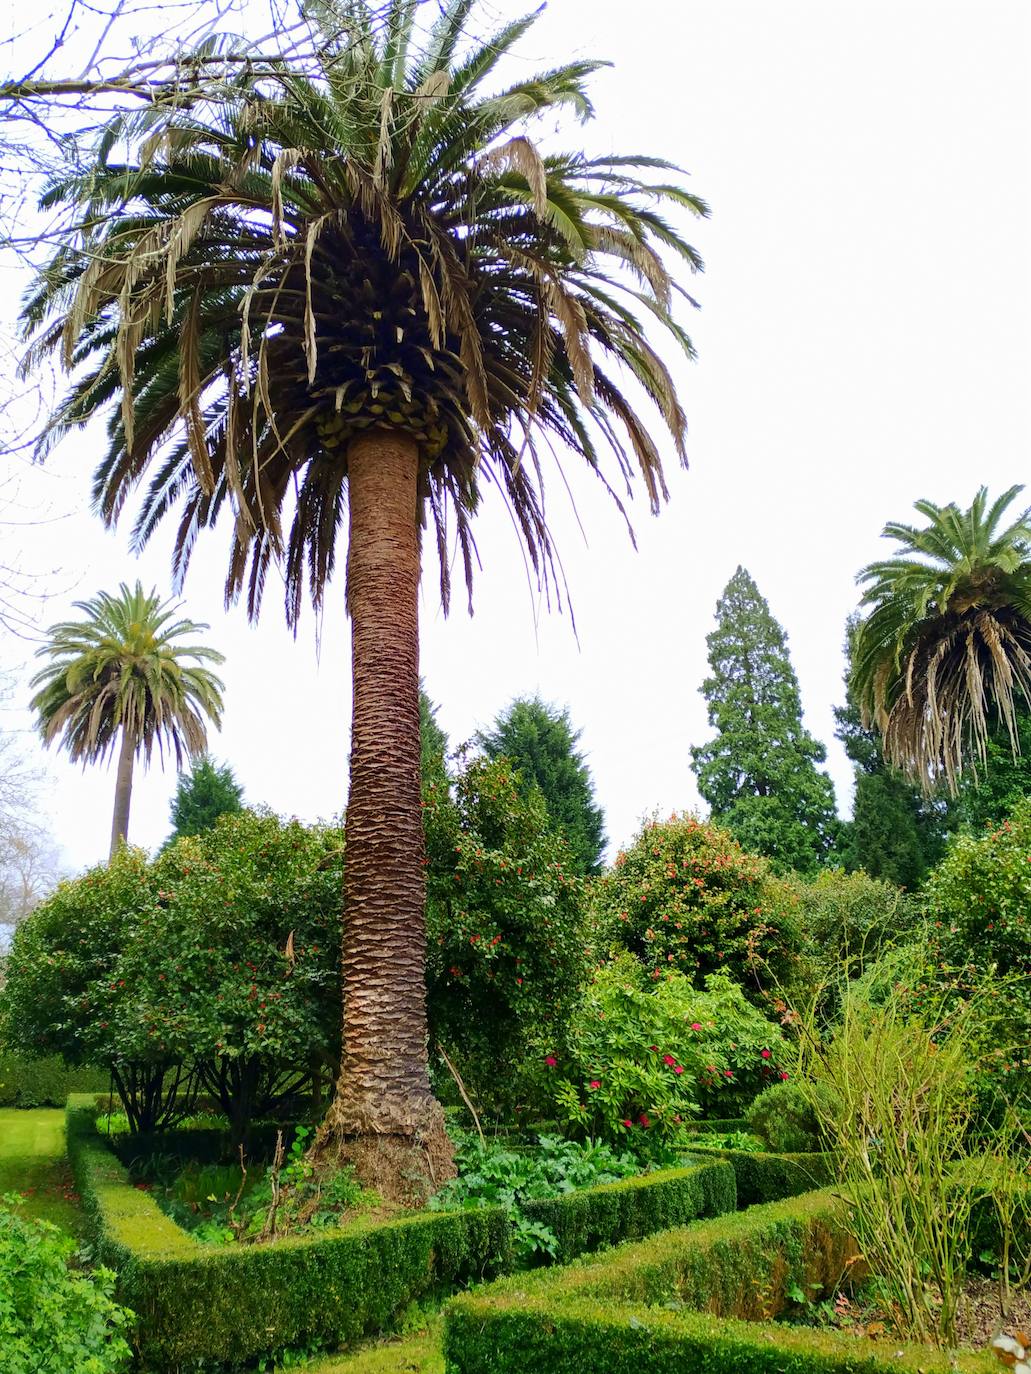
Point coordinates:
[[643, 1058], [216, 966], [686, 898], [506, 959], [978, 905]]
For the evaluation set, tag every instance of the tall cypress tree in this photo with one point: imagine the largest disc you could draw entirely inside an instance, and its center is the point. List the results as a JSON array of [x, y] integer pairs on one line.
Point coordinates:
[[759, 774], [895, 832], [203, 794], [541, 743]]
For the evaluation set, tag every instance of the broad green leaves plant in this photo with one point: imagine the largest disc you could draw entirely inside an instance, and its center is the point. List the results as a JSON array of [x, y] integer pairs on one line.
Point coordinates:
[[52, 1320], [491, 1175]]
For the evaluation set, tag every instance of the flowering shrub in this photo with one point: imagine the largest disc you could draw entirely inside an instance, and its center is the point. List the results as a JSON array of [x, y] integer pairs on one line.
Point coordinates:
[[217, 965], [978, 904], [685, 897], [506, 957], [643, 1058]]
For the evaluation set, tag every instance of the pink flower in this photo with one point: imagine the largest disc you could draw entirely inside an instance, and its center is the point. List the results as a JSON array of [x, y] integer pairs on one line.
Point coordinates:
[[766, 1053], [550, 1060], [668, 1059], [628, 1123], [594, 1083], [696, 1025], [678, 1068], [644, 1120], [783, 1075], [727, 1073]]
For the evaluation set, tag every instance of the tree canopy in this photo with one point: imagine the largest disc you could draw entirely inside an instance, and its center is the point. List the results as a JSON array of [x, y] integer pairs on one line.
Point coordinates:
[[540, 741], [759, 774], [896, 833], [946, 637], [207, 791]]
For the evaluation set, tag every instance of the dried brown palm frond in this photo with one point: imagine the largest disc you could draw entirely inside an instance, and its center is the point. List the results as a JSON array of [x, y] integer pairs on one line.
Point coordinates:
[[946, 646], [375, 244]]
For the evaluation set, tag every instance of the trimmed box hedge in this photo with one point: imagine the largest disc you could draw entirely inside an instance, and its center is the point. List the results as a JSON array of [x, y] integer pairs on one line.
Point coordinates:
[[697, 1300], [231, 1302], [765, 1177], [635, 1207], [45, 1082]]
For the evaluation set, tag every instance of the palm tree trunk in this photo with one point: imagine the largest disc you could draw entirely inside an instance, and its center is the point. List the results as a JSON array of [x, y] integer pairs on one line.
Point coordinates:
[[123, 791], [384, 1119]]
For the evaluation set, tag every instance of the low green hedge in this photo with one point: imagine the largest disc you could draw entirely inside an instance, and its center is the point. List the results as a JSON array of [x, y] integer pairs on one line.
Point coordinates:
[[45, 1082], [634, 1207], [697, 1300], [233, 1303], [718, 1125], [580, 1338], [768, 1178], [213, 1302]]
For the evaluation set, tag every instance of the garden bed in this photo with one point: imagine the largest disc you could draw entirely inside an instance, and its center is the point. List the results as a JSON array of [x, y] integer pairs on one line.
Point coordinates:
[[212, 1302], [702, 1297]]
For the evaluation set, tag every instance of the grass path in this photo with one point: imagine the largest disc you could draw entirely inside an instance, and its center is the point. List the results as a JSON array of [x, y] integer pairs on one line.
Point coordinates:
[[33, 1162], [418, 1354]]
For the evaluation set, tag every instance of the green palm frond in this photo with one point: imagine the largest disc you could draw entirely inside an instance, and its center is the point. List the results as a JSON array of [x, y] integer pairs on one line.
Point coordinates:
[[946, 640], [377, 243], [124, 667]]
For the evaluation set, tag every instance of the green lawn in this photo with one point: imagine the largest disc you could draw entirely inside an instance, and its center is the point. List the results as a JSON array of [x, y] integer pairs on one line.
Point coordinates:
[[418, 1354], [33, 1162]]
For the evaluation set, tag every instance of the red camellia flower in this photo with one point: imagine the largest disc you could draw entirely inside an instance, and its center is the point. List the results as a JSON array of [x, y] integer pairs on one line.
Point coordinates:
[[628, 1123], [668, 1059], [696, 1025], [678, 1068], [783, 1075], [727, 1073], [644, 1120], [594, 1083], [766, 1053], [550, 1060]]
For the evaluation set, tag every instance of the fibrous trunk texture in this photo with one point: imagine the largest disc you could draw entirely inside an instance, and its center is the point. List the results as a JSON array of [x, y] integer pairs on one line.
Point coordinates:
[[384, 1119], [123, 791]]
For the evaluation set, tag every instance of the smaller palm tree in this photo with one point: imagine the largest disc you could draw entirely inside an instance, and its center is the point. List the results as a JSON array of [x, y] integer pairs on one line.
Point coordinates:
[[947, 639], [122, 676]]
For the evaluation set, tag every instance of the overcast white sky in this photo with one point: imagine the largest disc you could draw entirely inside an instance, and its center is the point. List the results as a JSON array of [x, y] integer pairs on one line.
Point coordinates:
[[864, 341]]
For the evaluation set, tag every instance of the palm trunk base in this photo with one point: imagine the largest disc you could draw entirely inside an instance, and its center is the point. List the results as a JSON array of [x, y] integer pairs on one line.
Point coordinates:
[[406, 1165]]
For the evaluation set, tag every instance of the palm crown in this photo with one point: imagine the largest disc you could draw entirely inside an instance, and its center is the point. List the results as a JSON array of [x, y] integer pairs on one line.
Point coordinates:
[[123, 668], [373, 243], [947, 637]]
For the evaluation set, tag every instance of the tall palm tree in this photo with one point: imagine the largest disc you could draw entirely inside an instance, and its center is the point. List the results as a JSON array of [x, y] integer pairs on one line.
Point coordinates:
[[946, 640], [360, 294], [122, 679]]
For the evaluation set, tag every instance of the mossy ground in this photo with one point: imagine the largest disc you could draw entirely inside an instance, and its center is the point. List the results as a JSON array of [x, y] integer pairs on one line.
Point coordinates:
[[33, 1162]]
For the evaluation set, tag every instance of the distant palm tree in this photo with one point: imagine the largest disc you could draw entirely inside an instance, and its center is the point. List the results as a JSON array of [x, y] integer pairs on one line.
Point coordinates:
[[121, 678], [359, 295], [947, 638]]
